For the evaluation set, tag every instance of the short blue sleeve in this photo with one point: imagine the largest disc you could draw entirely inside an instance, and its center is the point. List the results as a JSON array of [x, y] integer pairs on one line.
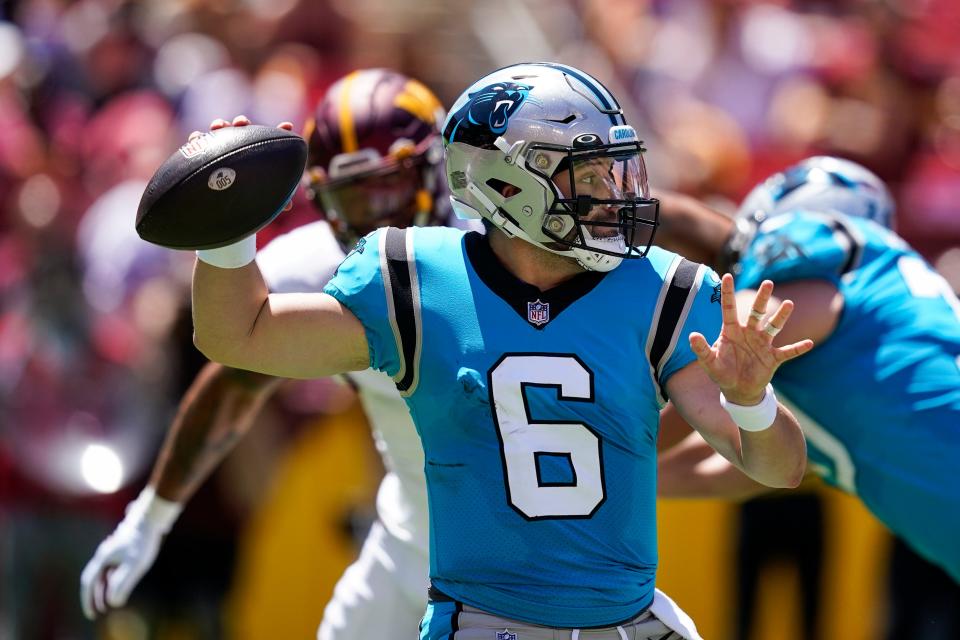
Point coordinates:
[[703, 316], [358, 285], [800, 246]]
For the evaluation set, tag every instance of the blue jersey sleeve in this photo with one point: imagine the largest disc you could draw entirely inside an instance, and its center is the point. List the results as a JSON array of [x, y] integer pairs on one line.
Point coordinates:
[[801, 246], [702, 316], [358, 285]]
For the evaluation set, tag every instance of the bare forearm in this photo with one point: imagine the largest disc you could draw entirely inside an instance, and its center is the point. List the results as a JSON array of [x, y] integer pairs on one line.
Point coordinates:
[[216, 411], [237, 322], [743, 422], [226, 303], [776, 456], [692, 469]]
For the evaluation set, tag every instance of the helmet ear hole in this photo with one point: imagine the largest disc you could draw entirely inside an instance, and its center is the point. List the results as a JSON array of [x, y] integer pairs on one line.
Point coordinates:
[[505, 189]]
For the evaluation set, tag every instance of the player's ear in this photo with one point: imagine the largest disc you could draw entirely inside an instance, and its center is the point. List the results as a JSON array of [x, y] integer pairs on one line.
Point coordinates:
[[505, 189]]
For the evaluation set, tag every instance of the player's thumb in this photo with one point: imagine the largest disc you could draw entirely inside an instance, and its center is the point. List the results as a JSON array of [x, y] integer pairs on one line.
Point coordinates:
[[699, 345]]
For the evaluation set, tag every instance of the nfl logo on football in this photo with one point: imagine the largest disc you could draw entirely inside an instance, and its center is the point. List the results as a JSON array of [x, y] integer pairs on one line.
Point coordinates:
[[196, 146], [506, 635], [538, 313]]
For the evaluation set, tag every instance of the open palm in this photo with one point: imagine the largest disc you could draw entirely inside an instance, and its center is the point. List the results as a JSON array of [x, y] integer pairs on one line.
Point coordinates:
[[742, 360]]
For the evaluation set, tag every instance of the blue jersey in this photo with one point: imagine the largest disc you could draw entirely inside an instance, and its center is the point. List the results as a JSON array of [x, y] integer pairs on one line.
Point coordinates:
[[882, 393], [538, 413]]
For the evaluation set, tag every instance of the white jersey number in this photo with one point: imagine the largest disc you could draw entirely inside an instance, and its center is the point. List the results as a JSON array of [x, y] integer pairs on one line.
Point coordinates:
[[525, 442], [924, 282]]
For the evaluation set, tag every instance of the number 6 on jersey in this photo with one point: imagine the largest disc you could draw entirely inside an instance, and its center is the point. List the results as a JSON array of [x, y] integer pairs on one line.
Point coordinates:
[[524, 440]]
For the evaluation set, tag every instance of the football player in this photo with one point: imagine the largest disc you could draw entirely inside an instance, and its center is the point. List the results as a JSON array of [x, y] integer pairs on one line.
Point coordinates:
[[534, 361], [879, 397], [374, 159]]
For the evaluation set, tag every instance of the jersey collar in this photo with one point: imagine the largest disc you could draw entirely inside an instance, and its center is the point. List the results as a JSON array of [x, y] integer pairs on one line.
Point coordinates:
[[537, 307]]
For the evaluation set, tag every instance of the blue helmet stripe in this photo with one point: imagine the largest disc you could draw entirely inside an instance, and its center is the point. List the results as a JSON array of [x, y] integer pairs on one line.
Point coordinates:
[[598, 89]]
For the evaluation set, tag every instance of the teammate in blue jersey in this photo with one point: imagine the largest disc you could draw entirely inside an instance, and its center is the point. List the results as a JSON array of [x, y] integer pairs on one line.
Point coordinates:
[[879, 397], [534, 361]]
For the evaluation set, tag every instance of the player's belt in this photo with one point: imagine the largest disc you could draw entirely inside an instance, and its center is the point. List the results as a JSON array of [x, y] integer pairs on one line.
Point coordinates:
[[435, 595], [644, 626]]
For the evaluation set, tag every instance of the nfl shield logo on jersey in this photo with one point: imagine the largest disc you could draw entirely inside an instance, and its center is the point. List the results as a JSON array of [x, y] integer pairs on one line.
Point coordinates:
[[506, 635], [538, 313]]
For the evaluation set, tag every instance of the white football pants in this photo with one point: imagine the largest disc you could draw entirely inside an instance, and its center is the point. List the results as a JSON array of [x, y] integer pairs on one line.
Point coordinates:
[[382, 595]]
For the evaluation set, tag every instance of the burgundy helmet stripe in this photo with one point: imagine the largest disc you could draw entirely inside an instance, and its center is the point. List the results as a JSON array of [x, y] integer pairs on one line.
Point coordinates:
[[345, 109], [375, 153]]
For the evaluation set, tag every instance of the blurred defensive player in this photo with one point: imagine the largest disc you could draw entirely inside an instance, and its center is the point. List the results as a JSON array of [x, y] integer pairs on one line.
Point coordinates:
[[534, 361], [374, 160], [879, 397]]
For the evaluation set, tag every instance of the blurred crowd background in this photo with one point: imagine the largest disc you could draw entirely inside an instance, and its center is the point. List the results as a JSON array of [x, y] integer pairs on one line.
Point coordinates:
[[95, 336]]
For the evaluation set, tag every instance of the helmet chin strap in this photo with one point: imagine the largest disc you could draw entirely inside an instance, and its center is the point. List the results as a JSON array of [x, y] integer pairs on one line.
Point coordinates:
[[598, 262], [595, 261]]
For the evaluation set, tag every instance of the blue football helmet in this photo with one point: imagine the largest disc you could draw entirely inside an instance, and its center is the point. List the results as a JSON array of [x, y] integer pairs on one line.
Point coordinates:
[[822, 184]]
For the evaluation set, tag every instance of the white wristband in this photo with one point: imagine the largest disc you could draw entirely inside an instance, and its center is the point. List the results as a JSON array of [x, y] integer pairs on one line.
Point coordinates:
[[153, 511], [754, 418], [233, 256]]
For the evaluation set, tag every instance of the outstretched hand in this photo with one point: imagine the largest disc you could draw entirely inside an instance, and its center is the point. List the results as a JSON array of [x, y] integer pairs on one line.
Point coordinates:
[[743, 359]]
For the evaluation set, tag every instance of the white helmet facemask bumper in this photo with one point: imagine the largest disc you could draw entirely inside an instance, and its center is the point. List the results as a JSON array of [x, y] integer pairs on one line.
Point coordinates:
[[543, 153], [822, 184]]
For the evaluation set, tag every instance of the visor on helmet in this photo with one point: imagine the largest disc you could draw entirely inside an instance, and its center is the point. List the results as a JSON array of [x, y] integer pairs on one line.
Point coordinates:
[[602, 199]]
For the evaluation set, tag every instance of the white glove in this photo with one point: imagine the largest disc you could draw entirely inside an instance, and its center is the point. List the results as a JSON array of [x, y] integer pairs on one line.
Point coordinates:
[[127, 553]]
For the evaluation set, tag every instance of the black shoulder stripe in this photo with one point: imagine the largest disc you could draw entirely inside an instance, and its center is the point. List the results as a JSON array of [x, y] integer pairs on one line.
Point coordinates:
[[847, 236], [680, 292], [398, 268]]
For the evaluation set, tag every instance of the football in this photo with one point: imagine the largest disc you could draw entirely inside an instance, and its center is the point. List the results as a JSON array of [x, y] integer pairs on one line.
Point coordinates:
[[221, 187]]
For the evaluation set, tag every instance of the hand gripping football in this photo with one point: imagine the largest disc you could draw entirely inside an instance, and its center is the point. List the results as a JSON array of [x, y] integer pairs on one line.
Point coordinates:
[[221, 187]]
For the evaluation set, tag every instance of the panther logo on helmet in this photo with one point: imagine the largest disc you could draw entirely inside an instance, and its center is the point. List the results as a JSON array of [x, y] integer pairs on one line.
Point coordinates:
[[485, 115]]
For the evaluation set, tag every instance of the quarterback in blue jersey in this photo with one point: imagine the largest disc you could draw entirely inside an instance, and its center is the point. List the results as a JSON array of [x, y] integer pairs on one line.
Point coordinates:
[[534, 361], [879, 397]]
